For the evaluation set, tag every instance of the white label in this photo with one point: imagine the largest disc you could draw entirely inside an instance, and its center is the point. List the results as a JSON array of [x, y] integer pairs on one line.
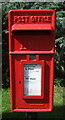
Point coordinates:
[[32, 79]]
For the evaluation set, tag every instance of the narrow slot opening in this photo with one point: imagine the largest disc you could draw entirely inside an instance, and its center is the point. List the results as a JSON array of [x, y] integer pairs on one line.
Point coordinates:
[[31, 32]]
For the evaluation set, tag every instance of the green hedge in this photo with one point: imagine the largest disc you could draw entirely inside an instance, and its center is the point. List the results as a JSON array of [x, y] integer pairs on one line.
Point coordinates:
[[59, 42]]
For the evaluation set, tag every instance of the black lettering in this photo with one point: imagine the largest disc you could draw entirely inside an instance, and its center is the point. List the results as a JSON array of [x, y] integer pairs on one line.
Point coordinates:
[[32, 78]]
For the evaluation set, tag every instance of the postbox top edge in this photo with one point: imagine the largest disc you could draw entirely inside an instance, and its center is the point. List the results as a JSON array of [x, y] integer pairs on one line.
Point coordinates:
[[33, 10]]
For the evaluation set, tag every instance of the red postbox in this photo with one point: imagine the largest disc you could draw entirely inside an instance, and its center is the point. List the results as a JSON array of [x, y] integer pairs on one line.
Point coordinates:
[[31, 57]]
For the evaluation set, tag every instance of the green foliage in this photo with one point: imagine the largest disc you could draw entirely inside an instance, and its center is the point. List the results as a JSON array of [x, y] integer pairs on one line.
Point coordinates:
[[60, 48], [6, 100], [60, 38], [59, 82]]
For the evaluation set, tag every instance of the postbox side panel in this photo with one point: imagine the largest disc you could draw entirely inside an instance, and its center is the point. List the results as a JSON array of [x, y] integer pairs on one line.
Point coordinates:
[[18, 88]]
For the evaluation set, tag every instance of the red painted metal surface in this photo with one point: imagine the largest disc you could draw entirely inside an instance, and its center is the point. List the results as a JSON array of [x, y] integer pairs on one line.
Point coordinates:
[[31, 32]]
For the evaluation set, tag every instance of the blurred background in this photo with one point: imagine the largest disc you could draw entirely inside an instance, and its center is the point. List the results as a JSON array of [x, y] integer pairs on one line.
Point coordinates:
[[59, 79], [59, 42]]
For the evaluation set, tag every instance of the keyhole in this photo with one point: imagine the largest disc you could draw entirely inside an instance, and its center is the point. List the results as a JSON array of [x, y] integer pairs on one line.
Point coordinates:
[[20, 82]]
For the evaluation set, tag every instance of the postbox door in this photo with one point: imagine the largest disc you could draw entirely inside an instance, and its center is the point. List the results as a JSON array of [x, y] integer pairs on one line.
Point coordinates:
[[23, 98]]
